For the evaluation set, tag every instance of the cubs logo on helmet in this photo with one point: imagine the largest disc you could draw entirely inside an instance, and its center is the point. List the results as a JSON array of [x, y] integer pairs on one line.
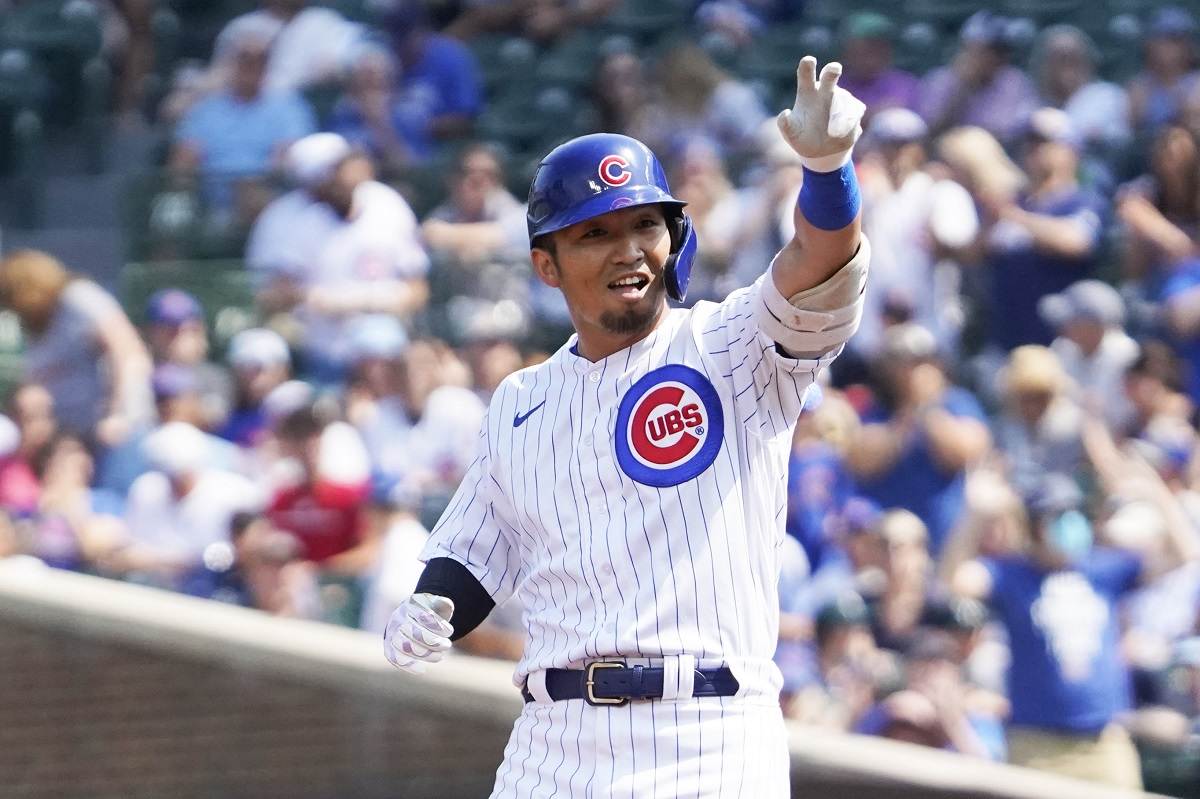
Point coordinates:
[[614, 170], [669, 426]]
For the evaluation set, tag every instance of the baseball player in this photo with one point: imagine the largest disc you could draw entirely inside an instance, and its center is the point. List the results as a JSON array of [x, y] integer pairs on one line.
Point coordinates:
[[631, 489]]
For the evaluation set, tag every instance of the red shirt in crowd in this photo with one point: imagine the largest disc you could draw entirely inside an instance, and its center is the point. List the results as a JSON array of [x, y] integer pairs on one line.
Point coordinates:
[[326, 518]]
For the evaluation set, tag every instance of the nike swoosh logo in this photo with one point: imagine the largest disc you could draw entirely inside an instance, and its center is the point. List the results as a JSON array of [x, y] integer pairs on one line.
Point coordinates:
[[520, 418]]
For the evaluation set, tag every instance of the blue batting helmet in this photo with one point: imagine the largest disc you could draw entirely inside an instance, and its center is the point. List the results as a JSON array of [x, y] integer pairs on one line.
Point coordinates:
[[601, 172]]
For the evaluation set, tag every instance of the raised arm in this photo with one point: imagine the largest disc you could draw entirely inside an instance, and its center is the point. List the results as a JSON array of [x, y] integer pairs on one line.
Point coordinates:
[[811, 302], [822, 128]]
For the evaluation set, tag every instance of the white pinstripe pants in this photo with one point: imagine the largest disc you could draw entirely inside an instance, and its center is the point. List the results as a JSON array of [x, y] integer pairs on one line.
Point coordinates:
[[711, 747]]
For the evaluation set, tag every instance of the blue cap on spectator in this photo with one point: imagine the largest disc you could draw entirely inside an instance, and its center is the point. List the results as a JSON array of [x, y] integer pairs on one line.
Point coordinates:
[[897, 126], [1093, 300], [172, 307], [376, 336], [172, 380], [1171, 21]]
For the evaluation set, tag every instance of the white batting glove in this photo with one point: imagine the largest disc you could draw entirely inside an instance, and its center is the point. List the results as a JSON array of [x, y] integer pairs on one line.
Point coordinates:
[[418, 632], [826, 120]]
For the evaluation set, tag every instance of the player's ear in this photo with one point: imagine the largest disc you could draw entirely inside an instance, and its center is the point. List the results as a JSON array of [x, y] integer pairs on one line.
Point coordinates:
[[545, 267]]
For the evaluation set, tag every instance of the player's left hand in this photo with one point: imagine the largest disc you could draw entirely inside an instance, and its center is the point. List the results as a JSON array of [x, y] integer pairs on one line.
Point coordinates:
[[418, 632], [826, 120]]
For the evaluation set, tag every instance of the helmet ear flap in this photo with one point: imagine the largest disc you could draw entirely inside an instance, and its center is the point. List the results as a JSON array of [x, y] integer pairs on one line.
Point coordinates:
[[678, 269]]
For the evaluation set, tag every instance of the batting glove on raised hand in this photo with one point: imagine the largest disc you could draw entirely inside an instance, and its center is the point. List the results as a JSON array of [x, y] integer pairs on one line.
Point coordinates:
[[826, 120], [418, 632]]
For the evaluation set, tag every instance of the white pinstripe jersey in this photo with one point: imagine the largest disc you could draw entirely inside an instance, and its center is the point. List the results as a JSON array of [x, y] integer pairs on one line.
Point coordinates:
[[636, 504]]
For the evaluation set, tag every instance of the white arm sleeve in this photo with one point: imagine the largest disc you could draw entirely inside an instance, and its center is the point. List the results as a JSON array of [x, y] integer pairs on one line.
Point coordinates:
[[819, 319]]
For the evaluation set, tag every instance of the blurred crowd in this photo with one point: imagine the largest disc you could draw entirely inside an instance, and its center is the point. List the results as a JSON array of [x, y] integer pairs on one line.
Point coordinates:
[[994, 501]]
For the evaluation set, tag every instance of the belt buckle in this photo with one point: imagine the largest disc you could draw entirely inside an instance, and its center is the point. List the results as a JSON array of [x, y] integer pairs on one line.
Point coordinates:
[[589, 685]]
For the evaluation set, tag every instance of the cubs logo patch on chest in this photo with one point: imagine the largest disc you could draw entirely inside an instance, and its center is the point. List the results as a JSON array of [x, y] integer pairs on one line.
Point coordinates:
[[669, 426]]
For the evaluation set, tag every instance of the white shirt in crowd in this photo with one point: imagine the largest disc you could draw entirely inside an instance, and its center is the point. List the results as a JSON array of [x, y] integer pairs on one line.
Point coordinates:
[[1100, 377], [315, 46], [306, 241], [181, 528], [399, 567], [904, 225]]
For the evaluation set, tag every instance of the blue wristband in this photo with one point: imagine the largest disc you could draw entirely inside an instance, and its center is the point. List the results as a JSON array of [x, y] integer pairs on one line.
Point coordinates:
[[830, 200]]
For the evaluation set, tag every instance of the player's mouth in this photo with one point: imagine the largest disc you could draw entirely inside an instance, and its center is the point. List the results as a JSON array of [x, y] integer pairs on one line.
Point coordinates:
[[630, 287]]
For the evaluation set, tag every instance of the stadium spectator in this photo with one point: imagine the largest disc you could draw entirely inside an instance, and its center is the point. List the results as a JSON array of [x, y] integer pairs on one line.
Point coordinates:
[[1042, 240], [853, 563], [981, 86], [310, 44], [233, 137], [80, 346], [394, 574], [935, 706], [1155, 385], [176, 334], [1064, 63], [849, 669], [321, 499], [919, 222], [696, 99], [480, 221], [31, 408], [180, 509], [919, 435], [1039, 429], [374, 399], [898, 610], [1161, 209], [351, 249], [745, 229], [543, 21], [1158, 93], [376, 118], [490, 357], [18, 484], [438, 73], [819, 483], [259, 570], [1092, 346], [260, 362], [1058, 602], [72, 517], [869, 73], [621, 94]]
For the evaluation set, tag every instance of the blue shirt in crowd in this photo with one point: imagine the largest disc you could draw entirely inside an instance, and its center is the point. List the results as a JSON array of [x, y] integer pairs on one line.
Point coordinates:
[[1021, 274], [818, 486], [444, 80], [409, 120], [916, 481], [1182, 280], [1066, 672], [237, 138]]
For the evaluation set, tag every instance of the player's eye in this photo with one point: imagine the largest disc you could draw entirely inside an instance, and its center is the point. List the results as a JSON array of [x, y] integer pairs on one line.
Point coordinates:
[[649, 222], [594, 233]]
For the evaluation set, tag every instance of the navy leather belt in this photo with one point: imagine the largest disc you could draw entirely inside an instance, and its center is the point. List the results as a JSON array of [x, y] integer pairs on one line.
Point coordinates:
[[615, 684]]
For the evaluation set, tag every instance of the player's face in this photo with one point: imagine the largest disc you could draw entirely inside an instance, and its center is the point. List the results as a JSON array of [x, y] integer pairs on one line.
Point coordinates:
[[610, 270]]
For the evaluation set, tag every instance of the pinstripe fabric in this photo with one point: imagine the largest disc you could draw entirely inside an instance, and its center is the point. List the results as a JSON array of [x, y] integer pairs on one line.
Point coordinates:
[[607, 566]]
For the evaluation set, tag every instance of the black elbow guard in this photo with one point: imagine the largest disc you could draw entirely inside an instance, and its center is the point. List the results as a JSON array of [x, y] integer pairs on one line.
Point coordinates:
[[449, 578]]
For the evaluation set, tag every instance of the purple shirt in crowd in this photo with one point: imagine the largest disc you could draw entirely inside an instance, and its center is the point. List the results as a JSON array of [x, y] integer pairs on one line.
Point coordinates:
[[893, 88], [1002, 107]]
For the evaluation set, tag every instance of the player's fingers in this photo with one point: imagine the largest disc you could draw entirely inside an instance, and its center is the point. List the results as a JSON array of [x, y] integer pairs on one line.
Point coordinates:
[[433, 613], [413, 649], [783, 120], [829, 77], [429, 639], [806, 77], [429, 621]]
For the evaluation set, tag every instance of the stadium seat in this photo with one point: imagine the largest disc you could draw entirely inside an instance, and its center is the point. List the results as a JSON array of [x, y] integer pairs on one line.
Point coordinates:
[[224, 288], [63, 37]]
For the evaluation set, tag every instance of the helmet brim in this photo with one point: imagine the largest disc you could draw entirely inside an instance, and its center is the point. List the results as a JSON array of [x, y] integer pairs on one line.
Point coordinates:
[[603, 203]]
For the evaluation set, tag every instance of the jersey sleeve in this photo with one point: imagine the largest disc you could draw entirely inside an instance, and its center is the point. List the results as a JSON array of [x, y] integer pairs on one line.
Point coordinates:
[[768, 385], [475, 532]]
